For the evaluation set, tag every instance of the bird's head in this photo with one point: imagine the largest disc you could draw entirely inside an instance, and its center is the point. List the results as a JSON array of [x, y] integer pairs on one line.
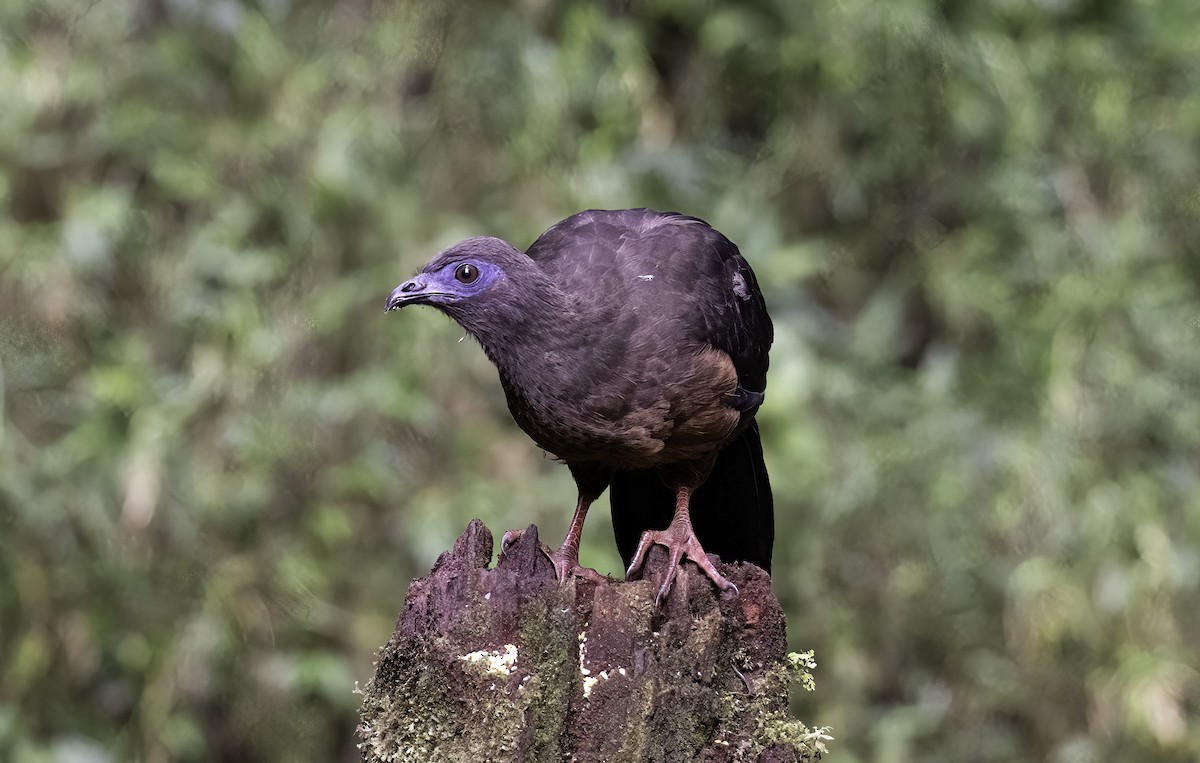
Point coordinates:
[[489, 288], [463, 273]]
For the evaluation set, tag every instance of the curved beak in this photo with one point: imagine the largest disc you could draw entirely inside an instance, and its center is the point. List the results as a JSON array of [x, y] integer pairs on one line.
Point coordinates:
[[411, 292]]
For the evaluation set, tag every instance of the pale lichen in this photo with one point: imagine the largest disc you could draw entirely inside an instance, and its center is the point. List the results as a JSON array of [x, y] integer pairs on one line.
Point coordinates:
[[497, 662]]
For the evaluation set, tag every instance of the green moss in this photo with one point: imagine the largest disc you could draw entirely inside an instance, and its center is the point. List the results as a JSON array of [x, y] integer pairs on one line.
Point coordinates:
[[547, 645], [449, 710], [765, 712]]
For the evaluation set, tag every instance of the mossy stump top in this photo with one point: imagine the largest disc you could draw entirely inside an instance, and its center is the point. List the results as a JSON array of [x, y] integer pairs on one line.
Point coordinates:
[[507, 664]]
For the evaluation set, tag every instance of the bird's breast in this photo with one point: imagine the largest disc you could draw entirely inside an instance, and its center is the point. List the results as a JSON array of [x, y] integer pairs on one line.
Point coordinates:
[[672, 411]]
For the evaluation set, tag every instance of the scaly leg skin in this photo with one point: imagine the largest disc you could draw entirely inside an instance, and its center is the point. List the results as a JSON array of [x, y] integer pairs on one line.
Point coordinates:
[[566, 558], [680, 541]]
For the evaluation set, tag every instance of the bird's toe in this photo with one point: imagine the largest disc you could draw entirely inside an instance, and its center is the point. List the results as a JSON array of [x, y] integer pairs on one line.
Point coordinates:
[[633, 572], [665, 588], [510, 539], [566, 566]]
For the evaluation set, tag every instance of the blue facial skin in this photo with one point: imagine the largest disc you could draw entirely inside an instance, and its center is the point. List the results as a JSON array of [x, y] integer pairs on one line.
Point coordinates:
[[453, 282]]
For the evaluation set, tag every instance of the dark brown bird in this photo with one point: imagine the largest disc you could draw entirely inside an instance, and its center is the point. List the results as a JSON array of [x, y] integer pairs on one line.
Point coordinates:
[[632, 345]]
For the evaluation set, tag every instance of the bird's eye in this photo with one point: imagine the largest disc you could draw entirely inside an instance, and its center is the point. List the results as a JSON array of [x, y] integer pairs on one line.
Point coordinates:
[[466, 273]]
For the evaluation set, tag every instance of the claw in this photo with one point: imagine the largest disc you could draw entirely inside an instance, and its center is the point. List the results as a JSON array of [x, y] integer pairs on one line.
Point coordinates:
[[510, 537]]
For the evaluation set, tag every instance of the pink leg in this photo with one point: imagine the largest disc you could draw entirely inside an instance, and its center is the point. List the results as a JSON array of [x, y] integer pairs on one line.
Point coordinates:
[[566, 558], [680, 541]]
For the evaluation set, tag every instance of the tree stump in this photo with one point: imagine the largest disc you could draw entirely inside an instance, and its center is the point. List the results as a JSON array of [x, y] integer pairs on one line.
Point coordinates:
[[508, 664]]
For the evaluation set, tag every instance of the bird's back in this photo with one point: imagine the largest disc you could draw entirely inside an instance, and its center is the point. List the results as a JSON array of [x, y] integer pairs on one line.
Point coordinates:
[[661, 285]]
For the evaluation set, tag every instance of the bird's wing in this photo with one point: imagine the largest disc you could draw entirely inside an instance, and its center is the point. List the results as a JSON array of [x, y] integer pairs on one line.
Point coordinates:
[[670, 282]]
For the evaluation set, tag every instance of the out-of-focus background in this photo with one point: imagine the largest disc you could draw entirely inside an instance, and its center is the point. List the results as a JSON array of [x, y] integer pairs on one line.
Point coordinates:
[[978, 230]]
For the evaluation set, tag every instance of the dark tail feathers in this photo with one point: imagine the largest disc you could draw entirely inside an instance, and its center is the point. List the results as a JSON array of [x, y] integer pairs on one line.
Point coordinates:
[[732, 512]]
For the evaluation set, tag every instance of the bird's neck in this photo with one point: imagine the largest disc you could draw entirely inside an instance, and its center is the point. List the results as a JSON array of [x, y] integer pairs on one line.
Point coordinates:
[[528, 350], [525, 333]]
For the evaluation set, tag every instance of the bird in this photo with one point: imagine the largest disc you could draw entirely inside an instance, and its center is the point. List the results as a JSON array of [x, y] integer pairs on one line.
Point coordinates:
[[632, 345]]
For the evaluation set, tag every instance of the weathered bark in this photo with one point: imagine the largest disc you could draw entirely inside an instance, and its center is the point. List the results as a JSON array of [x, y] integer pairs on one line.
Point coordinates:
[[507, 664]]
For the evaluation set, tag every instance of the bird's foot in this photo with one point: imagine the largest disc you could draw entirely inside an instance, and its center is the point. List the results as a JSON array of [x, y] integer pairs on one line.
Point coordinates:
[[567, 565], [679, 541], [565, 561]]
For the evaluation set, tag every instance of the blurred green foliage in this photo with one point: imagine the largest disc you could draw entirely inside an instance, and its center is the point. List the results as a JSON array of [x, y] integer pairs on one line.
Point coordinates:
[[977, 225]]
